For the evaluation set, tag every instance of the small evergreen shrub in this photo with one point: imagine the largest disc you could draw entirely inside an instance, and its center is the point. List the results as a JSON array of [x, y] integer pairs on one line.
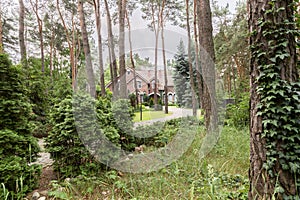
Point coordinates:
[[37, 84], [17, 145], [237, 115], [81, 121], [70, 156]]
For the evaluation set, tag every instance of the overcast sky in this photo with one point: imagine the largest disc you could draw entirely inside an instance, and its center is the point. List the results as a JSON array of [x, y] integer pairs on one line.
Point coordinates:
[[143, 39]]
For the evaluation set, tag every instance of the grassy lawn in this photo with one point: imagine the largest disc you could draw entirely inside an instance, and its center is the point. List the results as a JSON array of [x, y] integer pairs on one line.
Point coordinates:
[[150, 114]]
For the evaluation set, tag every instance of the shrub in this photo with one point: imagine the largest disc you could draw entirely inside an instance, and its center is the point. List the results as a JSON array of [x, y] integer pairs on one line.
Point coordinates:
[[17, 145], [37, 85], [132, 98], [74, 116], [123, 115], [151, 103], [70, 156], [237, 115]]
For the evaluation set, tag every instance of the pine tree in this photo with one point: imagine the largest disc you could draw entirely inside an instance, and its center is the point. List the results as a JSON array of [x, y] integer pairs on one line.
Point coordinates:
[[181, 75], [17, 145]]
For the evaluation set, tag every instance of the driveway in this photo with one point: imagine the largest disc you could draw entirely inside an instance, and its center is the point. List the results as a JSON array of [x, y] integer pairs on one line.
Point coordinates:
[[176, 113]]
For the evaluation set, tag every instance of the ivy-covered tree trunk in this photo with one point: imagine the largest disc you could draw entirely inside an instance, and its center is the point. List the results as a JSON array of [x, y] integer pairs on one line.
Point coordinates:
[[274, 105]]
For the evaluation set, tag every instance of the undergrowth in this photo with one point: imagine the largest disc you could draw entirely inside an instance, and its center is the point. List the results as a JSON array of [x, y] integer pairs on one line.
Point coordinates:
[[222, 174]]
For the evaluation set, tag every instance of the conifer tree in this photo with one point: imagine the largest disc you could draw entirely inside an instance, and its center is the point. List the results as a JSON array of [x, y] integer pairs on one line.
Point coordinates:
[[18, 147]]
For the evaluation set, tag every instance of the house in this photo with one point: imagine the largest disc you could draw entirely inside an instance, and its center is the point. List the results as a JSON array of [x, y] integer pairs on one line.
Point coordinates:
[[145, 79]]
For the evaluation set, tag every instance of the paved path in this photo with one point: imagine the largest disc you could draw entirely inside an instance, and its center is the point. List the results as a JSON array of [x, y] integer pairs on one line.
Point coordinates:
[[44, 158], [176, 113]]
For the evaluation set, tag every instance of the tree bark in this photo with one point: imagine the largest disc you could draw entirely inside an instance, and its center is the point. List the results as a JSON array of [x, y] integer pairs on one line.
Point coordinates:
[[156, 28], [99, 37], [87, 52], [35, 7], [21, 34], [199, 77], [1, 32], [71, 44], [131, 59], [111, 47], [123, 86], [262, 186], [207, 58], [164, 56], [191, 71]]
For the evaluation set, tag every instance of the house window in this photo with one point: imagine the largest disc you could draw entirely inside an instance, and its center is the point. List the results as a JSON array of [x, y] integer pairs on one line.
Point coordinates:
[[139, 84]]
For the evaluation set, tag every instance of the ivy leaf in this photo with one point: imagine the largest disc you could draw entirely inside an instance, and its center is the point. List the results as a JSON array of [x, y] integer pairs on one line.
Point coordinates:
[[282, 56], [273, 59]]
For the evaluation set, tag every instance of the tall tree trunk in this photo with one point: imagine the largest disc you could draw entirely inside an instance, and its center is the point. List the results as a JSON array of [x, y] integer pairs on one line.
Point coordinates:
[[71, 44], [21, 33], [190, 60], [86, 49], [131, 59], [35, 7], [164, 56], [207, 58], [51, 54], [265, 64], [1, 32], [111, 47], [99, 36], [123, 86], [156, 28], [199, 86]]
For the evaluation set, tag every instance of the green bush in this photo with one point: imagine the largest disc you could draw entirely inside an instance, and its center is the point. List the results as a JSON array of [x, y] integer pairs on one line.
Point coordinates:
[[237, 115], [17, 145], [70, 156], [37, 84], [123, 115], [91, 119], [151, 103], [218, 185], [160, 134]]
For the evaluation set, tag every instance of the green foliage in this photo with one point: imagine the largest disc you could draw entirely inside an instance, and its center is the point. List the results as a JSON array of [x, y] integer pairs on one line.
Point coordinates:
[[216, 185], [231, 47], [160, 134], [91, 119], [123, 115], [37, 86], [238, 115], [70, 156], [279, 105], [186, 178], [17, 146], [132, 98], [181, 77]]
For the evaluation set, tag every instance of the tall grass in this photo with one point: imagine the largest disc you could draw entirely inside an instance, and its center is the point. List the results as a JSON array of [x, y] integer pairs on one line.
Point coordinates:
[[220, 175]]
